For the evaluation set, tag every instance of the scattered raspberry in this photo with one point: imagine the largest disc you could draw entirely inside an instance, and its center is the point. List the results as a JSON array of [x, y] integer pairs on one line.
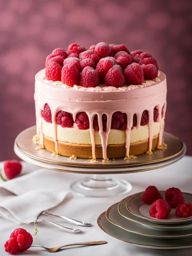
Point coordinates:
[[155, 114], [134, 74], [119, 121], [20, 240], [183, 210], [64, 119], [115, 77], [53, 71], [82, 121], [174, 197], [118, 47], [104, 122], [159, 209], [75, 48], [150, 195], [72, 61], [11, 169], [89, 77], [150, 71], [59, 52], [145, 118], [87, 62], [70, 74], [104, 65], [89, 54], [46, 113], [102, 49]]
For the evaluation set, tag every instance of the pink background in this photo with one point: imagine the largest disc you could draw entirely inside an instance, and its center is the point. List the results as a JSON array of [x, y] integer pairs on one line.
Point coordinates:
[[30, 29]]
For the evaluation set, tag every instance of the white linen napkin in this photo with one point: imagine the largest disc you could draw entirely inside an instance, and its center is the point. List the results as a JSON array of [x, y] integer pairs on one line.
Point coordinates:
[[24, 198]]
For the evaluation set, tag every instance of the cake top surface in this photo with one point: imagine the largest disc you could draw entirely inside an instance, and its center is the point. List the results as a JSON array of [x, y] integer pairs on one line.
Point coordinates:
[[102, 67]]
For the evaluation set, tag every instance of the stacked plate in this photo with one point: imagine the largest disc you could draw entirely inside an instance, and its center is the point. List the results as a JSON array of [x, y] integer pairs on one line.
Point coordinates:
[[129, 221]]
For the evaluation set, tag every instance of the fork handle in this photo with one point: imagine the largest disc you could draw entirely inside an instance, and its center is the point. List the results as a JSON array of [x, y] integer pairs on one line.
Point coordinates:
[[91, 243]]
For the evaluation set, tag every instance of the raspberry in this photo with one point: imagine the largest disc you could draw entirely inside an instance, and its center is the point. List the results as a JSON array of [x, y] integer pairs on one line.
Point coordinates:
[[149, 60], [134, 120], [59, 52], [53, 71], [159, 209], [87, 62], [72, 61], [145, 55], [155, 114], [11, 169], [75, 48], [123, 61], [89, 77], [183, 210], [150, 195], [92, 47], [121, 53], [89, 54], [58, 59], [119, 121], [104, 122], [134, 74], [145, 118], [118, 47], [20, 240], [115, 77], [64, 119], [136, 53], [11, 246], [102, 49], [174, 197], [82, 121], [70, 74], [46, 113], [104, 65], [150, 71]]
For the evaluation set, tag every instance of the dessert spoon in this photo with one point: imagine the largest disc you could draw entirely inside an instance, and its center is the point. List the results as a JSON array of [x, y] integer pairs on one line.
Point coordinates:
[[69, 246]]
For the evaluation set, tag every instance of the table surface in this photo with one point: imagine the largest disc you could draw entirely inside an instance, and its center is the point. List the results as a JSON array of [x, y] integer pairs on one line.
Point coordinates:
[[178, 174]]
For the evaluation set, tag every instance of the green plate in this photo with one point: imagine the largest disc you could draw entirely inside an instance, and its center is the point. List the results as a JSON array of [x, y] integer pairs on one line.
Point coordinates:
[[140, 240], [127, 215], [136, 207], [113, 216]]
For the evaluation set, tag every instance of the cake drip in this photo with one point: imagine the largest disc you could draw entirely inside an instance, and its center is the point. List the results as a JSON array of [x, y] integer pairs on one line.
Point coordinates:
[[99, 103]]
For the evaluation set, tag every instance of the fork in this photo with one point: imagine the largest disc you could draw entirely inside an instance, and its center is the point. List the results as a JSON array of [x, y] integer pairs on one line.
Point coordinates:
[[68, 246], [67, 219]]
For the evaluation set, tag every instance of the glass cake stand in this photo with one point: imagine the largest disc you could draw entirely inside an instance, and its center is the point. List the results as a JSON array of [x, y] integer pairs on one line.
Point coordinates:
[[99, 183]]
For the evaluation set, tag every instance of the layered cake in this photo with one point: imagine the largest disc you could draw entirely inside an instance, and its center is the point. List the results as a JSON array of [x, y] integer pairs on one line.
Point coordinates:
[[101, 102]]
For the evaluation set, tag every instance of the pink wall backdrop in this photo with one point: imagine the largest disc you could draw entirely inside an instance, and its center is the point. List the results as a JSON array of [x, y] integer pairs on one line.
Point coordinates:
[[30, 29]]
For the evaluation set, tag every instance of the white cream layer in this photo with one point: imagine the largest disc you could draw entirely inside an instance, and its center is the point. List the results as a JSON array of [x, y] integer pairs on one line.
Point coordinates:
[[77, 136]]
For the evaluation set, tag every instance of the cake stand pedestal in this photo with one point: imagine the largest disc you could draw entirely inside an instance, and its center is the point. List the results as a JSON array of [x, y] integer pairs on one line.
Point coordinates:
[[99, 183]]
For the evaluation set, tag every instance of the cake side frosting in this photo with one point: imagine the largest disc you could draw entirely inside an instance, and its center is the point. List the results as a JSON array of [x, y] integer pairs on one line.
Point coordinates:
[[97, 101]]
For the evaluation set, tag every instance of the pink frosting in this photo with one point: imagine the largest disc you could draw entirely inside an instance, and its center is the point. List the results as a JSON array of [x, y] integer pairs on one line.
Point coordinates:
[[102, 100]]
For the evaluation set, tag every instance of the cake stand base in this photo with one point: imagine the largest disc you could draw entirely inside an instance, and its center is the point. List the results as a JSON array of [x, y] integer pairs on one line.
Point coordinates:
[[101, 186]]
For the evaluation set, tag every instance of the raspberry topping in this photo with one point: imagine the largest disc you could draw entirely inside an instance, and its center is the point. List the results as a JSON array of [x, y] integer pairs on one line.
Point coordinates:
[[159, 209], [46, 113], [118, 47], [20, 240], [53, 71], [72, 61], [102, 49], [134, 74], [89, 77], [89, 54], [11, 169], [87, 62], [150, 71], [119, 121], [51, 57], [183, 210], [82, 121], [145, 118], [70, 74], [64, 119], [75, 48], [115, 77], [150, 195], [104, 65], [174, 197], [60, 52]]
